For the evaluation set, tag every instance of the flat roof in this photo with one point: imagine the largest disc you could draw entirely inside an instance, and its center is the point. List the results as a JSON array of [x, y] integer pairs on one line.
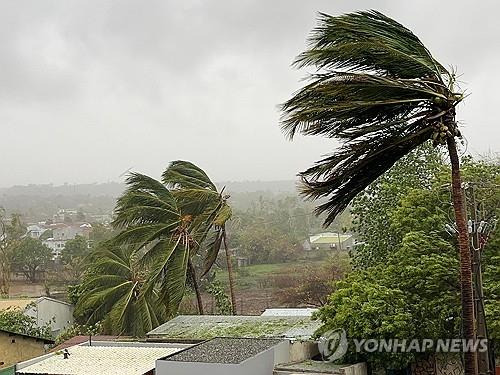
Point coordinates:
[[289, 312], [224, 350], [203, 327], [103, 360]]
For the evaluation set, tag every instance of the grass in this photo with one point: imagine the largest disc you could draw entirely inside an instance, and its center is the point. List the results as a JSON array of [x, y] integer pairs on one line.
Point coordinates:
[[259, 275]]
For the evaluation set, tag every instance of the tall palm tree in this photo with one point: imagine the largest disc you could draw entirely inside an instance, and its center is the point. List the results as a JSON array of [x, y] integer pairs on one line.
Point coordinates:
[[193, 188], [114, 292], [379, 90]]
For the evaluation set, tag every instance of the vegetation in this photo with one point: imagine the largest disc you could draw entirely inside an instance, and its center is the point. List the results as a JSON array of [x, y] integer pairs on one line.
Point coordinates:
[[143, 271], [78, 330], [14, 320], [379, 91], [115, 293], [73, 256], [11, 232], [31, 257], [408, 274]]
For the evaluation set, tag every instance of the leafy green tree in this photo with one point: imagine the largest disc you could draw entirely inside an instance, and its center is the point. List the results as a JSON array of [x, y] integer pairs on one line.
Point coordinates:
[[415, 294], [11, 232], [73, 256], [14, 320], [222, 301], [114, 292], [31, 257], [372, 209], [380, 91]]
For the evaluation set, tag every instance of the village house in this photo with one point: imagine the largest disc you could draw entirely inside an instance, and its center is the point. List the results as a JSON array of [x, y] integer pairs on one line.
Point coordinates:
[[16, 347], [329, 241], [44, 310]]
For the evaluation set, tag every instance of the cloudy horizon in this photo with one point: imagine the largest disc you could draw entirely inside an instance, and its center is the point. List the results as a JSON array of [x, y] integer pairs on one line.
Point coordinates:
[[90, 89]]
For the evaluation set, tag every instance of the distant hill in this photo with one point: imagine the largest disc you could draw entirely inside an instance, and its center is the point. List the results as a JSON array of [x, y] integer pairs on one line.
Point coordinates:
[[39, 202], [286, 186]]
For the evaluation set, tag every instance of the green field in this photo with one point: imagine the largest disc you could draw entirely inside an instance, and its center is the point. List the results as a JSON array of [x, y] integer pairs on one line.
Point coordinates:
[[258, 275]]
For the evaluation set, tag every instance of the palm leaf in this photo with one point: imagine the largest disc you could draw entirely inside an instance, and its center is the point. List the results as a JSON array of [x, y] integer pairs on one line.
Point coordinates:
[[378, 90]]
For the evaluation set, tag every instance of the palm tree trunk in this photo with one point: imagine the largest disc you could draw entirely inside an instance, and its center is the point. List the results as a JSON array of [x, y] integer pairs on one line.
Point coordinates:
[[194, 280], [229, 272], [470, 365]]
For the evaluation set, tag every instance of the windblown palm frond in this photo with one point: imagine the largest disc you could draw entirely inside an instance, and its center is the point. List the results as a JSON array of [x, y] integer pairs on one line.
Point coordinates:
[[379, 91], [185, 175], [114, 291], [197, 196], [155, 227]]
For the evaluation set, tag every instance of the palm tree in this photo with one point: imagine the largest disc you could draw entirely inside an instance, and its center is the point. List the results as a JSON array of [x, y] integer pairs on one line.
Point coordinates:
[[194, 189], [114, 292], [152, 222], [378, 90]]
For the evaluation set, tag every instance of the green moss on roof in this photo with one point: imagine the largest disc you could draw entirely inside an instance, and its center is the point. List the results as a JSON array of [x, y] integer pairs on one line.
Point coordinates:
[[186, 327]]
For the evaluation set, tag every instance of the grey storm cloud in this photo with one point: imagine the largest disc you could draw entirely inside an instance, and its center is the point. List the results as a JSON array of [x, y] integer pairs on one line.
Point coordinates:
[[89, 89]]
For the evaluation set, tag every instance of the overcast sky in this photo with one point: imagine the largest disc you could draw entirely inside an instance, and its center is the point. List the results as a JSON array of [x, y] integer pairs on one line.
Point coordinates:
[[89, 89]]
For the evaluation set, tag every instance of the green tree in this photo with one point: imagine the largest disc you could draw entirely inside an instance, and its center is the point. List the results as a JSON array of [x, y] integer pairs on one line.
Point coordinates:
[[14, 320], [73, 256], [380, 91], [415, 294], [372, 209], [11, 232], [115, 293], [31, 256]]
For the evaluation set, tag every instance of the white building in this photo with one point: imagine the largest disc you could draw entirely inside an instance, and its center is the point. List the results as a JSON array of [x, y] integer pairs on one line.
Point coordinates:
[[63, 233], [58, 314], [35, 230]]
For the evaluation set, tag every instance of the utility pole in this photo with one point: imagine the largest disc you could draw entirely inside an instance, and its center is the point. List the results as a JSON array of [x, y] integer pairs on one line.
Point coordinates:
[[478, 230]]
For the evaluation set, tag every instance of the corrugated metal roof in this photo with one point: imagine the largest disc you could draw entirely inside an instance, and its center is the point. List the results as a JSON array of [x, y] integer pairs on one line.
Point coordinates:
[[202, 327], [75, 340], [103, 360]]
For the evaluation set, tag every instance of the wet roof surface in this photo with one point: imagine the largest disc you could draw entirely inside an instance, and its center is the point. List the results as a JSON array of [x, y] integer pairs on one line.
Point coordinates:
[[202, 327], [84, 360], [224, 350]]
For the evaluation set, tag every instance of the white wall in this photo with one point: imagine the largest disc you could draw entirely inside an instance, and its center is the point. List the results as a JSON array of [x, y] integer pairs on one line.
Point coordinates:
[[261, 364], [58, 314]]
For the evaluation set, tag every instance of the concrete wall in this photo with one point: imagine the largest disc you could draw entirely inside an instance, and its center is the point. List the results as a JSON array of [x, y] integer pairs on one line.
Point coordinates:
[[261, 364], [14, 348], [58, 314], [302, 350], [356, 369]]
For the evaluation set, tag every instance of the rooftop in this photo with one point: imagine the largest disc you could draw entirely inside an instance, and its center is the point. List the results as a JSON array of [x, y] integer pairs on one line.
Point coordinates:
[[19, 303], [289, 312], [328, 238], [37, 338], [98, 359], [75, 340], [224, 350], [203, 327]]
